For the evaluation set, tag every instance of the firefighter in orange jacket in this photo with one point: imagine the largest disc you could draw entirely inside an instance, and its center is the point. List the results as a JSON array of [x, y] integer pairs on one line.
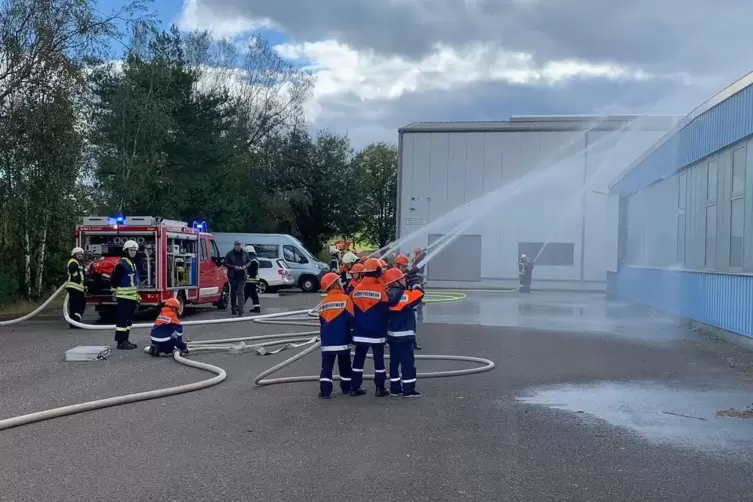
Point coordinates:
[[355, 278], [401, 333], [370, 309], [335, 320], [167, 332]]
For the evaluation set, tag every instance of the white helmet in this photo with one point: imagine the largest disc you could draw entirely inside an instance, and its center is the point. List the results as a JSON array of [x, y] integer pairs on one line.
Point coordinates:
[[76, 251], [250, 249], [130, 245], [349, 258]]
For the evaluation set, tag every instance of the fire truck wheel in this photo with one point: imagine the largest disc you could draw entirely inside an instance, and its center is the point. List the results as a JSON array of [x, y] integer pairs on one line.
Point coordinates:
[[182, 299], [224, 298]]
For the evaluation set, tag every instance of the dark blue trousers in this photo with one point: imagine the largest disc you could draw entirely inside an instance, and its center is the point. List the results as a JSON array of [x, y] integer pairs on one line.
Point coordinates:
[[359, 360], [169, 346], [402, 360], [328, 363]]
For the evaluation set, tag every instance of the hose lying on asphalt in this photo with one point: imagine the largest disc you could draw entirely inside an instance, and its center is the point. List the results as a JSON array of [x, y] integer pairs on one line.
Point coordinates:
[[36, 311], [234, 345]]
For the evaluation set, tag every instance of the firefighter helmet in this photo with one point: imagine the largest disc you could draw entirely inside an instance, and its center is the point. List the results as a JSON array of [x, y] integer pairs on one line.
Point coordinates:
[[250, 249], [130, 245], [357, 268], [173, 303], [76, 251], [330, 279], [372, 265], [349, 258], [393, 275], [401, 260]]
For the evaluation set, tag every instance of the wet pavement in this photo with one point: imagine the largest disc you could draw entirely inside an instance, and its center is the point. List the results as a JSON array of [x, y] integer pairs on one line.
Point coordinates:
[[590, 400], [683, 416], [562, 311]]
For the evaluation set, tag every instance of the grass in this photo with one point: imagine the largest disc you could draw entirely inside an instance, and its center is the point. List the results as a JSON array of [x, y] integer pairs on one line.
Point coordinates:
[[20, 307]]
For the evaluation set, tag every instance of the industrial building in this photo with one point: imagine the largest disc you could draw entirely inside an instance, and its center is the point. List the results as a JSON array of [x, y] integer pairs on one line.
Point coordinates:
[[681, 217], [536, 180]]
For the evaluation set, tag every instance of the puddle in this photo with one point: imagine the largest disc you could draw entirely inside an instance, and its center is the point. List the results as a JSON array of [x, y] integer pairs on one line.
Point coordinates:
[[660, 413]]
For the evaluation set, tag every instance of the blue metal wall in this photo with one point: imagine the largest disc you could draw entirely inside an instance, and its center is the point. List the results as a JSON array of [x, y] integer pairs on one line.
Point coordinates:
[[728, 122], [724, 301]]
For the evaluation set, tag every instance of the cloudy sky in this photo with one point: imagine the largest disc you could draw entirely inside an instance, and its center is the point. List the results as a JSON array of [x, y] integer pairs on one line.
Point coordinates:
[[381, 64]]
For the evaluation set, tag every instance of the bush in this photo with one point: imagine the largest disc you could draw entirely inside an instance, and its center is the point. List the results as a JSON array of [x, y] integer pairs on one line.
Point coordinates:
[[8, 284]]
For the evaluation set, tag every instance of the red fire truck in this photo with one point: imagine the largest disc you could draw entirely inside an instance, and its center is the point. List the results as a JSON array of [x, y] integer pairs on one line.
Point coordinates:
[[174, 260]]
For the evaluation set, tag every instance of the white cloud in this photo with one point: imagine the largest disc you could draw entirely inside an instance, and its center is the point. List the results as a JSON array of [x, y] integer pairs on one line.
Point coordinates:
[[343, 70], [197, 16], [365, 91]]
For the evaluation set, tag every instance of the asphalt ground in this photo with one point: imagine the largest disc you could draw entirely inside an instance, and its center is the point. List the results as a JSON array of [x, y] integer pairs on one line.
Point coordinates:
[[466, 438]]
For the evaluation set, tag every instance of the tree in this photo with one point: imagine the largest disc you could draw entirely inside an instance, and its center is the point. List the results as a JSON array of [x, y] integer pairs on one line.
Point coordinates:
[[377, 165], [269, 91], [47, 43]]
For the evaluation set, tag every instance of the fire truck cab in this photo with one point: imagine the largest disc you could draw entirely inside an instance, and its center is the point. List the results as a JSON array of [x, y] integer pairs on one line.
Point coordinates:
[[174, 260]]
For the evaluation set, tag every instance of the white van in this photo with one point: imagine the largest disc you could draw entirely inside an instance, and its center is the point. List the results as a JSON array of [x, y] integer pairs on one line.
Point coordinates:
[[304, 267]]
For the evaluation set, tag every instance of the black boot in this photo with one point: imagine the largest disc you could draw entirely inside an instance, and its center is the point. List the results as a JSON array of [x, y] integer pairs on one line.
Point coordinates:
[[126, 345], [416, 346], [381, 392], [357, 392], [256, 309], [153, 350]]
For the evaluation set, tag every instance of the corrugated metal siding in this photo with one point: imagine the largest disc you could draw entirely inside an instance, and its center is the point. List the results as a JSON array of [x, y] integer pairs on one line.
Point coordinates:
[[726, 123], [603, 123], [720, 300]]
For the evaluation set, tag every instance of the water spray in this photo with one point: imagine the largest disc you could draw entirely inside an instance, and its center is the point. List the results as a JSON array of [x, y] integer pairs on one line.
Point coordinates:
[[522, 184]]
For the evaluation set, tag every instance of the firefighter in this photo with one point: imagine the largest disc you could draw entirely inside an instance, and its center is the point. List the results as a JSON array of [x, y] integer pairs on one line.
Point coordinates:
[[355, 277], [75, 285], [335, 333], [370, 309], [525, 273], [401, 262], [349, 259], [334, 258], [167, 332], [401, 332], [125, 281], [415, 277], [252, 280]]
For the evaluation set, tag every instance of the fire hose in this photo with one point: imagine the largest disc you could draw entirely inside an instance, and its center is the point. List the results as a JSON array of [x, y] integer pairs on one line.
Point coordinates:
[[231, 345]]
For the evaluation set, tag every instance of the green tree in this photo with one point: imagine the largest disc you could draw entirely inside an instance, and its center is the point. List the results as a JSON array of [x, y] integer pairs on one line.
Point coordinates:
[[377, 165]]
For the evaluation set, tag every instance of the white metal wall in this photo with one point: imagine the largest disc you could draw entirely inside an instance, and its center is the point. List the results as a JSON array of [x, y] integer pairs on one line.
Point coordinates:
[[442, 171]]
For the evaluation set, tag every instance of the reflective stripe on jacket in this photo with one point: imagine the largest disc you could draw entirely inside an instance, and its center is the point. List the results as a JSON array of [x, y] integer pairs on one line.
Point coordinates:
[[75, 275], [127, 288]]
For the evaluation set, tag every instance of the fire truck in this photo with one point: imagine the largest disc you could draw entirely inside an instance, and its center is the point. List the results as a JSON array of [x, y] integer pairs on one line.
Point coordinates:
[[175, 260]]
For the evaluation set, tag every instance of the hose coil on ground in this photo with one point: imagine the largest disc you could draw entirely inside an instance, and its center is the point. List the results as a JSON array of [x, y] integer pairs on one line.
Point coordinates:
[[231, 345]]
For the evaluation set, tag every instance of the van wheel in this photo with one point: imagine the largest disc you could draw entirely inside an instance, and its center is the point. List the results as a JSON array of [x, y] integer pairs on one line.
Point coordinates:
[[261, 287], [224, 298], [309, 284]]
